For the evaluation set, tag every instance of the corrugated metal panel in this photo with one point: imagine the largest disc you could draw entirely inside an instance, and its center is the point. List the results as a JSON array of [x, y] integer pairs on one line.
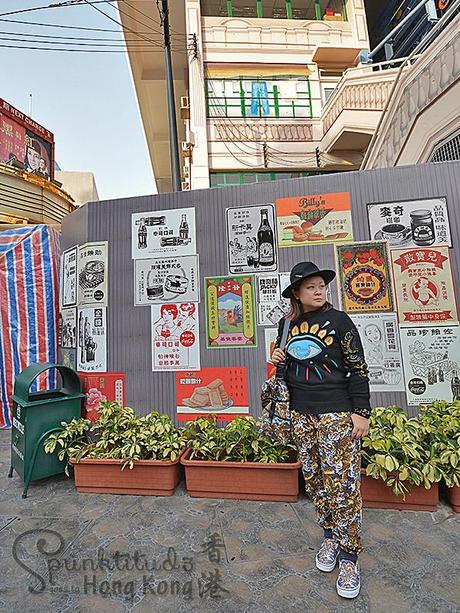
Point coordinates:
[[129, 327]]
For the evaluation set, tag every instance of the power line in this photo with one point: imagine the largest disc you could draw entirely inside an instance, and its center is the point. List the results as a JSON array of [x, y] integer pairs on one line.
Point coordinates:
[[78, 50], [47, 36], [53, 6]]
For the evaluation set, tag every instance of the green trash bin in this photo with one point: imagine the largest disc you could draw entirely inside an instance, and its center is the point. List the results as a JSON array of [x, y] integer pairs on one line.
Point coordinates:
[[38, 414]]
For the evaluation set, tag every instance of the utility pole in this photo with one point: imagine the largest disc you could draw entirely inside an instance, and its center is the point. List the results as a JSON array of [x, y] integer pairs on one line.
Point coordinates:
[[172, 125]]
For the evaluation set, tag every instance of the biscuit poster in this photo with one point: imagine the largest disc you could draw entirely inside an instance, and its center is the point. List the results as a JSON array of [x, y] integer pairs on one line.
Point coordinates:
[[212, 391], [364, 277], [230, 312], [314, 220], [423, 286]]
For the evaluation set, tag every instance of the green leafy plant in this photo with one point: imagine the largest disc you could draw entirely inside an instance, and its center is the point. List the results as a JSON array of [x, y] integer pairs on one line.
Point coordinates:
[[397, 451], [119, 434], [441, 424], [239, 441]]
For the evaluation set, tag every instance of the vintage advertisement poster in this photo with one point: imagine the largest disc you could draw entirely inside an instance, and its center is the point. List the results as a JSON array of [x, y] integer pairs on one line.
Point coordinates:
[[69, 278], [413, 223], [251, 239], [219, 391], [364, 277], [230, 312], [271, 306], [314, 219], [173, 279], [175, 337], [67, 332], [92, 339], [423, 286], [380, 338], [431, 363], [270, 338], [92, 274], [157, 234]]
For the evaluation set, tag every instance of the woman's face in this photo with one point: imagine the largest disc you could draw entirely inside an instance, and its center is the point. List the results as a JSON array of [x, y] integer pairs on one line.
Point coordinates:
[[311, 293], [33, 158], [373, 334]]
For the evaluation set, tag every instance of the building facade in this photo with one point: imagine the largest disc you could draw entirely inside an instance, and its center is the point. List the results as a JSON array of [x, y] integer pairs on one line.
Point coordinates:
[[264, 90]]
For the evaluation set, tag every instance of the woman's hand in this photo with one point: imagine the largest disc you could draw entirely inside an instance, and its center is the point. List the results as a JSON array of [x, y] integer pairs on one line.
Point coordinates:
[[278, 356], [360, 426]]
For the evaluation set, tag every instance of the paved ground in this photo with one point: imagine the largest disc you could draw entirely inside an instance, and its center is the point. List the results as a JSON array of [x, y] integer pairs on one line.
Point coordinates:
[[63, 551]]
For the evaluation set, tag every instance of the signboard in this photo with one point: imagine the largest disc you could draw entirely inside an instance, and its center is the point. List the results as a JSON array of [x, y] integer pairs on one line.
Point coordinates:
[[68, 288], [230, 312], [68, 328], [314, 219], [24, 140], [92, 340], [414, 223], [431, 363], [271, 306], [173, 279], [175, 337], [380, 338], [251, 239], [364, 277], [163, 233], [92, 274], [216, 391], [270, 338], [424, 286]]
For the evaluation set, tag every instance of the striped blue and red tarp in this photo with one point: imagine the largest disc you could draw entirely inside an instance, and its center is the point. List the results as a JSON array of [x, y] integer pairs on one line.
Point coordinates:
[[29, 304]]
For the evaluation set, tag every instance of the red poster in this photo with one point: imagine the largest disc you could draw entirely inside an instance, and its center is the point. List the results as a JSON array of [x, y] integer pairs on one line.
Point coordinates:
[[12, 139], [212, 391]]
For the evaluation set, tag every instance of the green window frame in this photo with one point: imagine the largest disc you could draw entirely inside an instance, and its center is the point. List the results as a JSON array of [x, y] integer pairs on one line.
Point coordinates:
[[227, 179], [222, 104], [289, 11]]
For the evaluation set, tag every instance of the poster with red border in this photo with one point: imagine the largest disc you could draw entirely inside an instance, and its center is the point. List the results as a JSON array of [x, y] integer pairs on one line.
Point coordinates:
[[212, 391], [424, 286], [270, 338], [364, 277]]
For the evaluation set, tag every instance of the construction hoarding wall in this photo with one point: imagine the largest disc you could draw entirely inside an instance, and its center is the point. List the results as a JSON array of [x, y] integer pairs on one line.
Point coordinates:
[[129, 335]]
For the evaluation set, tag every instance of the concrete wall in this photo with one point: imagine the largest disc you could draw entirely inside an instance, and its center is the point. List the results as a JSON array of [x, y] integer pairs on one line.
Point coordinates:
[[129, 335]]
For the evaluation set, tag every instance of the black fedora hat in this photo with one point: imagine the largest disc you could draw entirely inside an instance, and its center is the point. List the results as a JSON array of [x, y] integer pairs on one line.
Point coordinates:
[[301, 271]]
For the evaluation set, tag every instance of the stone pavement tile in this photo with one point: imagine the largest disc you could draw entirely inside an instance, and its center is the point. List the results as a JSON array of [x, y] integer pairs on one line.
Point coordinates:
[[256, 530]]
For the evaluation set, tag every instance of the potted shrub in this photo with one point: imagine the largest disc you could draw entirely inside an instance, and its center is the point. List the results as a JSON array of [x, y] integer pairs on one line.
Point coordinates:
[[121, 453], [238, 462], [400, 470], [441, 422]]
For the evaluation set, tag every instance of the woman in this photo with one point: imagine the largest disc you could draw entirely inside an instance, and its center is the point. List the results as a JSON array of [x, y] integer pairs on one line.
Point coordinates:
[[328, 384]]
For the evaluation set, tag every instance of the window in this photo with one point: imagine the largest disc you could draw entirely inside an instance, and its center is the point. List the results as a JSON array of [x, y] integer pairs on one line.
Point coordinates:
[[225, 179], [259, 97], [447, 150], [332, 10]]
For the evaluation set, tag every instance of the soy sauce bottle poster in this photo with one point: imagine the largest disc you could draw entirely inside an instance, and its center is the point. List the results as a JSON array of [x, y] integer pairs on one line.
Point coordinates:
[[251, 239], [230, 312]]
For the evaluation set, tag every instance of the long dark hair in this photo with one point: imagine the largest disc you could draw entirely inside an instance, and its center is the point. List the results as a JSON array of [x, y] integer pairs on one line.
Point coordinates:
[[296, 308]]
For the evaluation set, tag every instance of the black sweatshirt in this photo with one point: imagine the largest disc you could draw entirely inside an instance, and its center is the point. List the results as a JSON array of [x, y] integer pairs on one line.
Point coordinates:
[[325, 367]]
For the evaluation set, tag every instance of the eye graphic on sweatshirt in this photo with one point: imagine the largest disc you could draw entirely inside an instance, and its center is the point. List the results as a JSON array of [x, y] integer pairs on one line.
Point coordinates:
[[306, 343], [305, 347]]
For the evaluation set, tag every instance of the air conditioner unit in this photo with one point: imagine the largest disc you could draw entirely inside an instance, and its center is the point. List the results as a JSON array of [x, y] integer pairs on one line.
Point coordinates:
[[184, 107]]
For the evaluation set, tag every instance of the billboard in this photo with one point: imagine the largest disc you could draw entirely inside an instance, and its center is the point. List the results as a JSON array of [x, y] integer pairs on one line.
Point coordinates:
[[24, 140]]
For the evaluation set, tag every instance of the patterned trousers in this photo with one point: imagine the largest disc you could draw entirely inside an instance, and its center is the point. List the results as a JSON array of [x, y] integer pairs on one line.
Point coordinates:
[[331, 466]]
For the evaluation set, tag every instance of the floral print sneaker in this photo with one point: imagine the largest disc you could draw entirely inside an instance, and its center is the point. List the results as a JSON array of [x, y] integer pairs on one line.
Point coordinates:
[[348, 581], [326, 558]]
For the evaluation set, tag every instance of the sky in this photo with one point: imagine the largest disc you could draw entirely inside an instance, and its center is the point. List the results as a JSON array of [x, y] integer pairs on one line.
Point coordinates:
[[86, 99]]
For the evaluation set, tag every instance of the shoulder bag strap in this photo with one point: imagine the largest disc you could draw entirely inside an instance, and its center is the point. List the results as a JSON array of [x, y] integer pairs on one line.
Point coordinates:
[[281, 366]]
